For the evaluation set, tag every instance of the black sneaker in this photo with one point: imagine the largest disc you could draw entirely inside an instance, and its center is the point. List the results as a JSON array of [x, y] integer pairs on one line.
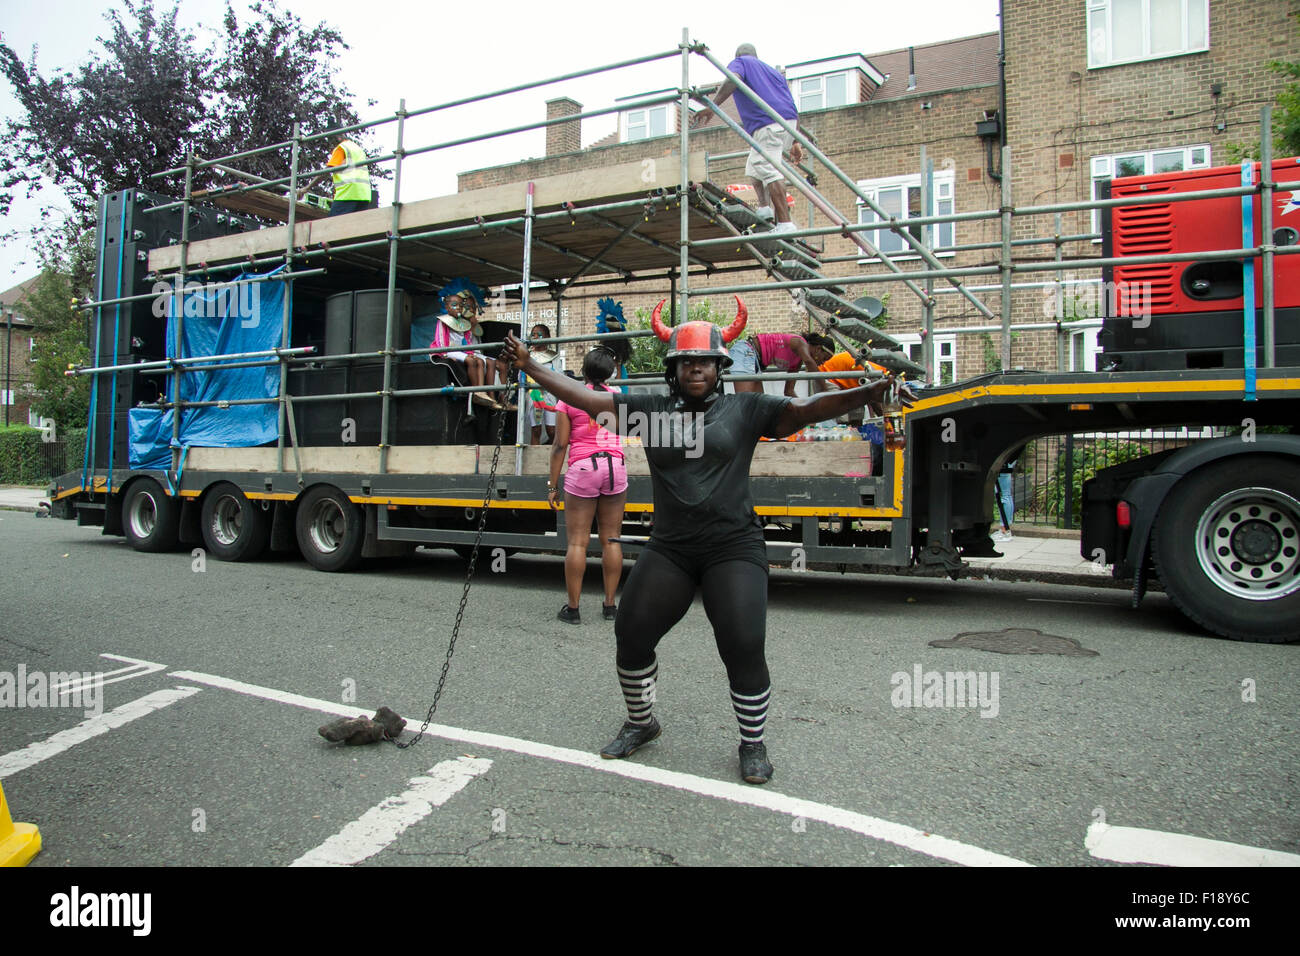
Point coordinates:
[[569, 614], [631, 739], [753, 763], [610, 611]]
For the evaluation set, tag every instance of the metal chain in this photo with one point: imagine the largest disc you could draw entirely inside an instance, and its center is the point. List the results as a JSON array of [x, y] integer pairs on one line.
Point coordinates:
[[469, 574]]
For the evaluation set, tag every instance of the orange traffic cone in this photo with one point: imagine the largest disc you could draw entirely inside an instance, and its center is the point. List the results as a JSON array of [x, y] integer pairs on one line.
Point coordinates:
[[19, 842]]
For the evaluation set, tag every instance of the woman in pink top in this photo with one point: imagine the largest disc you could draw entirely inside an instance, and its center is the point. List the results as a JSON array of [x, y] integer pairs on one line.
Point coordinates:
[[595, 485], [783, 352]]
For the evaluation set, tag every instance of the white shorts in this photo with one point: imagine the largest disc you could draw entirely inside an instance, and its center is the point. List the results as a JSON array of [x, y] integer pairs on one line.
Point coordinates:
[[777, 142]]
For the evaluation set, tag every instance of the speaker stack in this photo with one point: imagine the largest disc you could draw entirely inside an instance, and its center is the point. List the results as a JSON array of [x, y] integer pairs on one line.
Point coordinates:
[[131, 332]]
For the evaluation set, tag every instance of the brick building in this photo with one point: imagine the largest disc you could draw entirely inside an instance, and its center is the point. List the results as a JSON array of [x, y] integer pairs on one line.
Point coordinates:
[[1093, 88], [17, 344]]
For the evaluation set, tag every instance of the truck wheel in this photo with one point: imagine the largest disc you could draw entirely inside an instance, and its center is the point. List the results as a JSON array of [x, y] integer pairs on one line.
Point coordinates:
[[1227, 547], [331, 529], [150, 519], [234, 528]]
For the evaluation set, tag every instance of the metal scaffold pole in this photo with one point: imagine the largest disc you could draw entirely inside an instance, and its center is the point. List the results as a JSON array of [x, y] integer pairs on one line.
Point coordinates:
[[929, 358], [1005, 263], [282, 411], [523, 324], [1266, 187], [178, 304], [394, 237], [684, 122]]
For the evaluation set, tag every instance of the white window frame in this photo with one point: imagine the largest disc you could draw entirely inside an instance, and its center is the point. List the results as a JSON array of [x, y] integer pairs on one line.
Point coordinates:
[[1196, 156], [7, 397], [819, 86], [945, 233], [1194, 14], [945, 348], [1084, 347], [641, 119]]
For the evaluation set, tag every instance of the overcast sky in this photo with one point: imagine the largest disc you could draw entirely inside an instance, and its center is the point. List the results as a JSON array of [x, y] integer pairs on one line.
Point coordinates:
[[433, 54]]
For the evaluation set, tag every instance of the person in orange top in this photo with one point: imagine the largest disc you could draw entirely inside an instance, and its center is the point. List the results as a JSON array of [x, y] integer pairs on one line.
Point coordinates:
[[845, 362]]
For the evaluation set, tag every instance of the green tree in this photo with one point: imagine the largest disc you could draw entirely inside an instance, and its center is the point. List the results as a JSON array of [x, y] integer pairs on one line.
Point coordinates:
[[1286, 114], [648, 352], [153, 91], [60, 332], [272, 72]]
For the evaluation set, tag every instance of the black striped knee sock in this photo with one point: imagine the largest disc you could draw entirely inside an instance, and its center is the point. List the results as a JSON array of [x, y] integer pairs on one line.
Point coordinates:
[[751, 713], [639, 691]]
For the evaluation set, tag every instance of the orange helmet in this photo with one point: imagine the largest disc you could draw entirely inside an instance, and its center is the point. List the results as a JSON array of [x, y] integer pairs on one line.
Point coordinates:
[[699, 338]]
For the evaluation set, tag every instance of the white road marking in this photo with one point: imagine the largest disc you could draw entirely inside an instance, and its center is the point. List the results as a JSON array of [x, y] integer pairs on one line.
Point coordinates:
[[34, 753], [381, 825], [1133, 845], [908, 837], [1060, 601], [136, 669]]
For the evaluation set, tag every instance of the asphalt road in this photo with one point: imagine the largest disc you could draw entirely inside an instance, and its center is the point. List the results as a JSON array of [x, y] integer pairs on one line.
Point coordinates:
[[1158, 731]]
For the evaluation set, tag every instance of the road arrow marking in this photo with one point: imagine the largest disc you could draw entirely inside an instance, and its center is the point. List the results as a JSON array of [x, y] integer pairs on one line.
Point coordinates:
[[1133, 845], [382, 824]]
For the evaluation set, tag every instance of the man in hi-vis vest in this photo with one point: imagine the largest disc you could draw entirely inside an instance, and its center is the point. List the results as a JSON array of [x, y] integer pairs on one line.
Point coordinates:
[[352, 189]]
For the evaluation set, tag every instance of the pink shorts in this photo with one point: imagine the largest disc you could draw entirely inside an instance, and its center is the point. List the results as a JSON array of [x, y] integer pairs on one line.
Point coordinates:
[[601, 474]]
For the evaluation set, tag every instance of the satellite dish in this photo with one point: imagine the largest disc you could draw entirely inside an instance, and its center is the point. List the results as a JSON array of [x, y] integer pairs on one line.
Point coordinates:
[[872, 307]]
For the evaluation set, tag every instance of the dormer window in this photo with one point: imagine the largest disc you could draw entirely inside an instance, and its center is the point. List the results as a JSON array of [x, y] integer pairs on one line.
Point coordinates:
[[832, 81], [822, 92]]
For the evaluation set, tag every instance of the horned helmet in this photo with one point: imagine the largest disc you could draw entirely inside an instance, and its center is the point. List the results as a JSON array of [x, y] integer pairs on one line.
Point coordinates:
[[697, 338]]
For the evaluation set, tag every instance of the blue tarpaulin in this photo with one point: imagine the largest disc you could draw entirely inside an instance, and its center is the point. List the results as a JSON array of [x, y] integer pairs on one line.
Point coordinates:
[[224, 319]]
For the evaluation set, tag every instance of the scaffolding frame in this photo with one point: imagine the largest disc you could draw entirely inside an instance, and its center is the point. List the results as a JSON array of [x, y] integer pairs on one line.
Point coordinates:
[[690, 200]]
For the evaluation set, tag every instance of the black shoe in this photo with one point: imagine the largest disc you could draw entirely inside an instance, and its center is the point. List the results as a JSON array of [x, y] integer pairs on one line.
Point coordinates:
[[631, 739], [753, 763], [610, 611], [569, 614]]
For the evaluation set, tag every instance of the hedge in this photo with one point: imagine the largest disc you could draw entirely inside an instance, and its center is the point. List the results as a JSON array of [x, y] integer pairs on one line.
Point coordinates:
[[27, 459]]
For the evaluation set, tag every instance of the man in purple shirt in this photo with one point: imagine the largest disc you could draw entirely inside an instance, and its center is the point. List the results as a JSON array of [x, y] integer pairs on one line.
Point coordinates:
[[771, 87]]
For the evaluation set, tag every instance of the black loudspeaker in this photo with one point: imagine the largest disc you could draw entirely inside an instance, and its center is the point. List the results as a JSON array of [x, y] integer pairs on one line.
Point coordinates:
[[128, 227], [355, 321], [115, 395], [414, 420], [319, 423]]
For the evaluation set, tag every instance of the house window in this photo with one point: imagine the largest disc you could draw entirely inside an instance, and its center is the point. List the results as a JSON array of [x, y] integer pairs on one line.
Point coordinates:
[[1125, 31], [1144, 164], [31, 349], [822, 92], [6, 396], [900, 198], [945, 359], [644, 124], [1083, 350]]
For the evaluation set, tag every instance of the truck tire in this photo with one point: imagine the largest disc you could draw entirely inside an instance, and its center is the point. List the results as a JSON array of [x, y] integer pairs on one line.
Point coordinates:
[[331, 529], [234, 528], [1227, 547], [151, 520]]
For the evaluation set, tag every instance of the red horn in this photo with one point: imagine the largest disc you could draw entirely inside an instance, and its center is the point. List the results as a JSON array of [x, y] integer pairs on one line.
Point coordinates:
[[661, 330], [738, 324]]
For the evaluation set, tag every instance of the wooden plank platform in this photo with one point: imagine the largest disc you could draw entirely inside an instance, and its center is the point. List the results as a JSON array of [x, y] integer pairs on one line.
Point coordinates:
[[563, 247], [771, 460], [261, 203]]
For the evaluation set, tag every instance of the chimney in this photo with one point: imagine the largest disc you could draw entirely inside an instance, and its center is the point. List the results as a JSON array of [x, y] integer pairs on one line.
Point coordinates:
[[911, 69], [563, 137]]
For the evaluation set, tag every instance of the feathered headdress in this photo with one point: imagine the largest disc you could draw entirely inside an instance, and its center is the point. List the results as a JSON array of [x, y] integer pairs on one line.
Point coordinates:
[[611, 320], [611, 317], [457, 286]]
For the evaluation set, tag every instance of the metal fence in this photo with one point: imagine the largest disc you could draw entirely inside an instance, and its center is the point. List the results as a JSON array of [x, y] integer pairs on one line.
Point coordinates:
[[1047, 480]]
